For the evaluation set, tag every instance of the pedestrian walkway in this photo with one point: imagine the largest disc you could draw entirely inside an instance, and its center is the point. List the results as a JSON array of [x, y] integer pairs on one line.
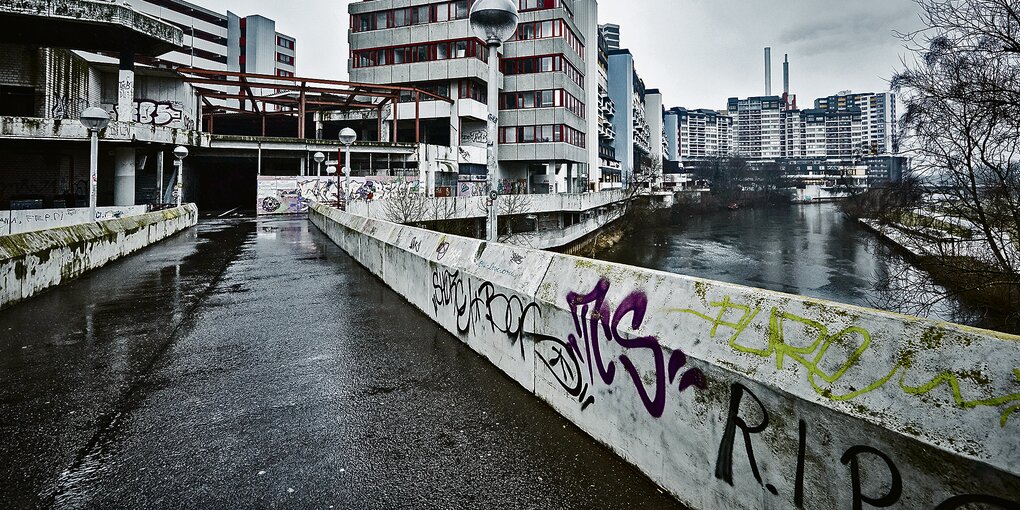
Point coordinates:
[[252, 363]]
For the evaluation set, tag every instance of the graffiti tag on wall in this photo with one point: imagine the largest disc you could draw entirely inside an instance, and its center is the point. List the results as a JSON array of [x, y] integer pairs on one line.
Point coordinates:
[[580, 361], [827, 372], [157, 113]]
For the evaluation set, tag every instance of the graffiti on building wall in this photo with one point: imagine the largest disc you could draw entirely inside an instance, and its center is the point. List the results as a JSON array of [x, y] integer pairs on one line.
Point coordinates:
[[833, 358], [158, 113], [294, 195], [67, 107]]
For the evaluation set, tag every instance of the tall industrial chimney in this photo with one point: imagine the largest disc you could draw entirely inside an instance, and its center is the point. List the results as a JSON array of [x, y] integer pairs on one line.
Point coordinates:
[[786, 74], [768, 71]]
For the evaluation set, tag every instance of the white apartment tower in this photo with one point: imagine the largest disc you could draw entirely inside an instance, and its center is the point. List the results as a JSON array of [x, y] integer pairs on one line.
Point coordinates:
[[549, 95], [225, 42], [759, 124], [878, 118], [697, 134]]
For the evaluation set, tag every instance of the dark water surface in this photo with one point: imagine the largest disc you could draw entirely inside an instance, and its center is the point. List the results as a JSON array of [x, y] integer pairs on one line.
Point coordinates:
[[809, 250]]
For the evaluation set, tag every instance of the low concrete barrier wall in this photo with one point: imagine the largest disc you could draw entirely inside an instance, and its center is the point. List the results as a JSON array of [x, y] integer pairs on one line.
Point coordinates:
[[727, 396], [34, 261], [30, 220]]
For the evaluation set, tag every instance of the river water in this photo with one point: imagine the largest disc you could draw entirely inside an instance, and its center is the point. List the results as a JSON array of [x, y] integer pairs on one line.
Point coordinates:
[[811, 250]]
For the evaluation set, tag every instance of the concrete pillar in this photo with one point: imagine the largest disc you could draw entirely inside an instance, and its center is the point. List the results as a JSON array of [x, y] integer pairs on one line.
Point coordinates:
[[303, 164], [124, 177], [160, 161], [126, 88]]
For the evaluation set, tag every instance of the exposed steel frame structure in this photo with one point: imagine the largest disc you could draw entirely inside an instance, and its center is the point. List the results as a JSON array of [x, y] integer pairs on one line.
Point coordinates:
[[313, 95]]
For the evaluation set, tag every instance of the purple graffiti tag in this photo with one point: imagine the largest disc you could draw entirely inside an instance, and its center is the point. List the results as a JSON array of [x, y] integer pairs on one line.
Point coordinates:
[[596, 325], [587, 329]]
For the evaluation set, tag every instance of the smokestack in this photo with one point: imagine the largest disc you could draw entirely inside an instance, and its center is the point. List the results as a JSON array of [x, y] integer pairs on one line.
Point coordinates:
[[786, 75], [768, 71]]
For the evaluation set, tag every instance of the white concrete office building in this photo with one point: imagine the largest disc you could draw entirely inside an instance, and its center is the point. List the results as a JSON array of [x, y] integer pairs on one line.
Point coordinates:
[[548, 100]]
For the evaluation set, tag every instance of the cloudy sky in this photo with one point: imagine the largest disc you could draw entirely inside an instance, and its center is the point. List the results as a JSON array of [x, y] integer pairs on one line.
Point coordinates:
[[697, 52]]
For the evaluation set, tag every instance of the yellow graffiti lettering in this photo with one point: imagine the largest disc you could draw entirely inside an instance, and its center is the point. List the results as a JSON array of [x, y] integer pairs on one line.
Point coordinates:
[[811, 356]]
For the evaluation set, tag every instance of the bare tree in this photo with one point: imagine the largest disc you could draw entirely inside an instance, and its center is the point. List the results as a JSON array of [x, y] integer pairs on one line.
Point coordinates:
[[515, 227], [406, 204], [962, 125], [962, 96]]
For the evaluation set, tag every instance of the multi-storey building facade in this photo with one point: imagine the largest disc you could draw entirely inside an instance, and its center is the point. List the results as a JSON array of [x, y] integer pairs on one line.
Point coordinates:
[[697, 134], [633, 142], [548, 100], [758, 126], [878, 118], [611, 33], [654, 112], [219, 41], [609, 166]]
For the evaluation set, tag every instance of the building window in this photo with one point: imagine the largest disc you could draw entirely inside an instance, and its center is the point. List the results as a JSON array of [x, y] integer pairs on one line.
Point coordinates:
[[547, 133], [549, 29], [473, 90], [284, 42], [410, 16], [542, 64], [557, 98], [285, 59], [443, 50]]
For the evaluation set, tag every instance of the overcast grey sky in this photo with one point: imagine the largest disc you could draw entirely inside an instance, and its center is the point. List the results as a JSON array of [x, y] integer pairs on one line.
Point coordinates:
[[697, 52]]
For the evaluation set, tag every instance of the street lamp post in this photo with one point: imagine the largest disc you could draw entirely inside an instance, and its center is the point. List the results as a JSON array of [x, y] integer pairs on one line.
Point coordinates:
[[318, 157], [493, 21], [347, 137], [179, 154], [95, 120]]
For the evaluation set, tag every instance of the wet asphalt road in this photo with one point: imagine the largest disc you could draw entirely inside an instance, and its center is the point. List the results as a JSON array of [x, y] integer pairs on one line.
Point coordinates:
[[252, 363]]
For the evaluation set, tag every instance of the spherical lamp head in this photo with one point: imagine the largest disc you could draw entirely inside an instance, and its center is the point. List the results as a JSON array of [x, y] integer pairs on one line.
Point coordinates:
[[319, 157], [494, 21], [330, 169], [348, 136], [95, 119], [180, 152]]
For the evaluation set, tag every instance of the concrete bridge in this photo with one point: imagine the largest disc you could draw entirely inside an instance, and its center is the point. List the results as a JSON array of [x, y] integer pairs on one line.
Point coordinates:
[[254, 361]]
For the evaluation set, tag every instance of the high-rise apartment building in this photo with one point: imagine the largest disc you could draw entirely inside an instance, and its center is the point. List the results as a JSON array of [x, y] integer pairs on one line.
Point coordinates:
[[612, 34], [609, 166], [548, 102], [759, 125], [654, 112], [633, 142], [225, 42], [878, 118], [697, 134]]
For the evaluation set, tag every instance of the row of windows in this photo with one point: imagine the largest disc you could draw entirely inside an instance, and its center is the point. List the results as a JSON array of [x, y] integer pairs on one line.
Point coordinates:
[[537, 5], [408, 16], [543, 64], [466, 89], [285, 59], [549, 133], [474, 90], [549, 29], [422, 14], [541, 99], [444, 50], [285, 42]]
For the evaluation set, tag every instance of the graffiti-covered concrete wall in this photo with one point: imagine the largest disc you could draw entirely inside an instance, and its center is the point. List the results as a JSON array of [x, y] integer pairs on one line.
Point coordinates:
[[34, 261], [294, 195], [727, 396]]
